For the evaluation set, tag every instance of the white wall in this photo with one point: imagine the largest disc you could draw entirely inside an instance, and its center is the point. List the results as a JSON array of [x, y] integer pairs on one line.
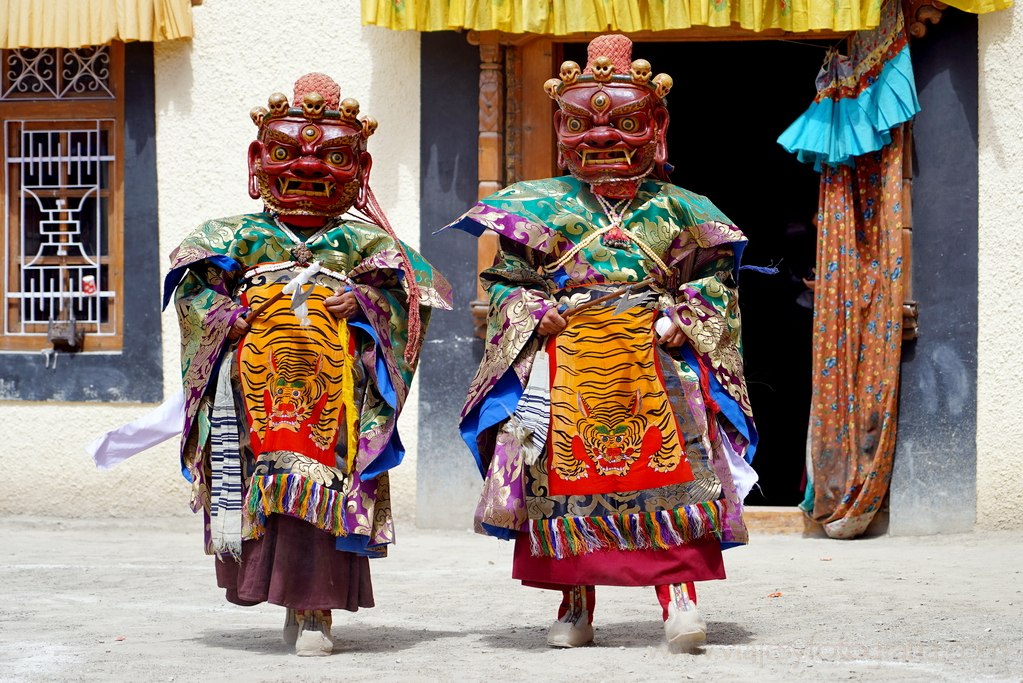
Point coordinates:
[[205, 88], [1000, 333], [241, 53]]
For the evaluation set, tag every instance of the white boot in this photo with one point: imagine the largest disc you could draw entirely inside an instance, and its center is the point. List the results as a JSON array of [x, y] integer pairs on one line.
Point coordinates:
[[685, 628], [314, 638], [574, 628], [564, 633]]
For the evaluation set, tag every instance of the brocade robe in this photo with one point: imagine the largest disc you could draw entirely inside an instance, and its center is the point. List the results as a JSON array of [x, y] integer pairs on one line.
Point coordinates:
[[298, 417], [646, 448]]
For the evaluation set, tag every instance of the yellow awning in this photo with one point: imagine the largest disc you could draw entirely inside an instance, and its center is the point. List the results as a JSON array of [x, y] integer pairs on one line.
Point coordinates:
[[77, 23], [563, 17], [979, 6]]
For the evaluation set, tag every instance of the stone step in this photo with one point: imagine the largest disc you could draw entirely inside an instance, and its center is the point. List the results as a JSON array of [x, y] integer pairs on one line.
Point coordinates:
[[776, 519], [781, 519]]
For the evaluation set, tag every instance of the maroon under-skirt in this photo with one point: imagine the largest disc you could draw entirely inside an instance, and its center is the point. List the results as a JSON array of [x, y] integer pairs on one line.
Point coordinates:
[[700, 561], [296, 565]]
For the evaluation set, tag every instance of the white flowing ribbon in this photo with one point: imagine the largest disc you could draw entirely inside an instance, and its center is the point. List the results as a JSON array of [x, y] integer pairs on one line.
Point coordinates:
[[164, 422], [298, 295]]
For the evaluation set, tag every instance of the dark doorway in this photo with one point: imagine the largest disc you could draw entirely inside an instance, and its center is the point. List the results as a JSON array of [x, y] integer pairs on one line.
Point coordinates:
[[729, 104]]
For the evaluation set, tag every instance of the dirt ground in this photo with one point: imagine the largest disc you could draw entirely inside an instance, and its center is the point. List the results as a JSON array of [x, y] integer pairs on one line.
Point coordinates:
[[91, 600]]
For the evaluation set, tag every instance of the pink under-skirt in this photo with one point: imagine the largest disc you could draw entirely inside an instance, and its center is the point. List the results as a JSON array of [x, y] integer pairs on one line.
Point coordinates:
[[700, 561], [296, 565]]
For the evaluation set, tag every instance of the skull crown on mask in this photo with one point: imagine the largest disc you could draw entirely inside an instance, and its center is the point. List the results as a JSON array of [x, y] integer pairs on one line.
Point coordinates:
[[611, 121], [310, 159]]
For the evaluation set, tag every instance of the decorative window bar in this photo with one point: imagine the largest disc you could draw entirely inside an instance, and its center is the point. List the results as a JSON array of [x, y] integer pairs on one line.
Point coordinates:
[[56, 74], [58, 193]]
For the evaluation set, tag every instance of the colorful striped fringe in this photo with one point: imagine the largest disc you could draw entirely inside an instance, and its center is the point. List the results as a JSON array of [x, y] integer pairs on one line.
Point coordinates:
[[297, 496], [571, 536]]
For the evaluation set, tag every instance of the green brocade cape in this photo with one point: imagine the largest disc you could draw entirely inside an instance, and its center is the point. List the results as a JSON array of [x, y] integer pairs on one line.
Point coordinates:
[[550, 254], [205, 278]]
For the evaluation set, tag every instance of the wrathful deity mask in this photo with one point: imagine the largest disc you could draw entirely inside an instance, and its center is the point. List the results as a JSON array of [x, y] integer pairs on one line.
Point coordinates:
[[309, 157], [611, 120]]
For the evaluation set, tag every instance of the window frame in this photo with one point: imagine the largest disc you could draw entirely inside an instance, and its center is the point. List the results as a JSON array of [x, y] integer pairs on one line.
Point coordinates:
[[93, 111]]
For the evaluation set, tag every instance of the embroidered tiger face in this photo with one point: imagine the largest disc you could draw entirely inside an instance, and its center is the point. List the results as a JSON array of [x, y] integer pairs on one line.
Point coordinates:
[[613, 436], [292, 394]]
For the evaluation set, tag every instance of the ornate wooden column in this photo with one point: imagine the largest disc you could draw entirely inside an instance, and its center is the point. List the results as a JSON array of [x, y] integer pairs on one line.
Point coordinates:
[[516, 130], [491, 153]]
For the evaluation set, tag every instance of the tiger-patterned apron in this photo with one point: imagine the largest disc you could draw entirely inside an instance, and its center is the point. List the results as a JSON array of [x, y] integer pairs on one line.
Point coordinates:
[[612, 428], [292, 376]]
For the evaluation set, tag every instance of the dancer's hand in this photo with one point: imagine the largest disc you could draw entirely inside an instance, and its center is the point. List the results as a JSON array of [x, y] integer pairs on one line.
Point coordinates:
[[238, 329], [342, 305], [673, 337], [552, 323]]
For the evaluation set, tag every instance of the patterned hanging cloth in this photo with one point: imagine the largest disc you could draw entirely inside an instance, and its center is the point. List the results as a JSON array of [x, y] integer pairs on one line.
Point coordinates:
[[853, 134], [857, 340]]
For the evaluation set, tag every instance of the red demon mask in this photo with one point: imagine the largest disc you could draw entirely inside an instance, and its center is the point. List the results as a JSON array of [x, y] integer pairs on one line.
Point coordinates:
[[310, 159], [611, 120]]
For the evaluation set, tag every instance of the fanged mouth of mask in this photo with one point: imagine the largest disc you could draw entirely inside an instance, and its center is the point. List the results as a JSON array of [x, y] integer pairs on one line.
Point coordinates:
[[305, 188], [611, 157]]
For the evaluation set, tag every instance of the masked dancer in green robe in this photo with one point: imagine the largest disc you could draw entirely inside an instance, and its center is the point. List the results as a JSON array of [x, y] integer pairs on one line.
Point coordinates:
[[609, 416], [300, 333]]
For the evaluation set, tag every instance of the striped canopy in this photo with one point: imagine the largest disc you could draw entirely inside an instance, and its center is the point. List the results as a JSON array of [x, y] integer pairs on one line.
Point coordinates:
[[563, 17], [78, 23]]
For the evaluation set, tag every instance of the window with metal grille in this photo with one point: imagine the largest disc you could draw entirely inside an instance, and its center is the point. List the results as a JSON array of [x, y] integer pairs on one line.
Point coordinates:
[[62, 113]]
